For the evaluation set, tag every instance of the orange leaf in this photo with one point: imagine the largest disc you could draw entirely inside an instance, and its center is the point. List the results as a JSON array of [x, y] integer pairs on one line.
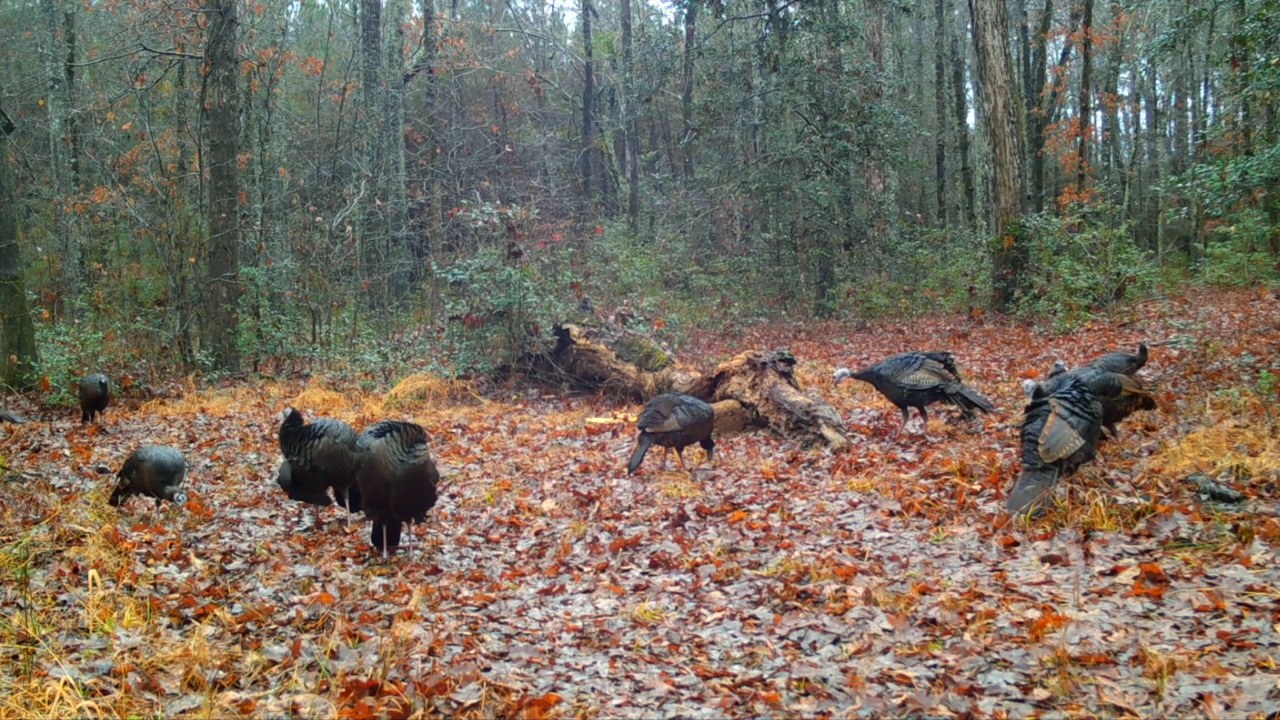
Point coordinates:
[[738, 517]]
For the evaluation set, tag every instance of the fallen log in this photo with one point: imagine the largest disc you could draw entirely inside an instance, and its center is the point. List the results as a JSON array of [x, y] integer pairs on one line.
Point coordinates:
[[755, 389]]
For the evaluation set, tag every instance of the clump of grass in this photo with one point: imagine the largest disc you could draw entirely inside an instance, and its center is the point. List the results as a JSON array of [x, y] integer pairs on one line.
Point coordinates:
[[679, 486], [1229, 444], [427, 393], [647, 613]]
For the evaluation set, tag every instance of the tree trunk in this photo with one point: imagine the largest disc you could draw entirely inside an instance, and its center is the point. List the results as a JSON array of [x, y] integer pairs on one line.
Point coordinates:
[[222, 116], [63, 168], [396, 184], [1011, 246], [18, 355], [631, 161], [1114, 167], [434, 226], [588, 100], [373, 227], [879, 172], [1086, 104], [959, 91], [1241, 68], [686, 99], [940, 110]]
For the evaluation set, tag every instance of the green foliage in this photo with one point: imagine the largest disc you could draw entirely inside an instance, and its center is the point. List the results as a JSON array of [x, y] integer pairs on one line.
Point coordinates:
[[1237, 254], [683, 280], [1268, 385], [1081, 266], [66, 357], [934, 271], [496, 311]]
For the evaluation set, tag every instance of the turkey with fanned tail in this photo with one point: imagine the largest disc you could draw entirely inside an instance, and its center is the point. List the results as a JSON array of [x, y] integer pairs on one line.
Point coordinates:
[[318, 456], [397, 479], [917, 380], [1120, 394], [673, 421], [1060, 433]]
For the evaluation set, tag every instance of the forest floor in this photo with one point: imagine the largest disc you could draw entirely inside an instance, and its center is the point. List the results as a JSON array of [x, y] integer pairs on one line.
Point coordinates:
[[783, 580]]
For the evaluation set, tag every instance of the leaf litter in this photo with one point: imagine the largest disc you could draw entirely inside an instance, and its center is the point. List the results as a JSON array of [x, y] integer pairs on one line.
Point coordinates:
[[883, 581]]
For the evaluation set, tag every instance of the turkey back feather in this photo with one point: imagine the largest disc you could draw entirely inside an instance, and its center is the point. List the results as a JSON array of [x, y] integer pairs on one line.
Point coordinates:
[[95, 396], [397, 479], [1120, 395], [155, 471], [318, 456], [1059, 433], [673, 420], [1122, 362], [919, 379]]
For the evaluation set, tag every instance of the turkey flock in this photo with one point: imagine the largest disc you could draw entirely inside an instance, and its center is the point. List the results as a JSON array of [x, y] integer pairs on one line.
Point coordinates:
[[386, 471], [1061, 426]]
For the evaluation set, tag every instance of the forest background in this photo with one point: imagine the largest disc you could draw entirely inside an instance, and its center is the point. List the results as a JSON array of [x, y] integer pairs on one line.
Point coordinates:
[[225, 185]]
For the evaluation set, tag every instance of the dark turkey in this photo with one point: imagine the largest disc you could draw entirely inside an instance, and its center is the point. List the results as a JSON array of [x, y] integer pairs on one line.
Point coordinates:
[[673, 421], [1122, 362], [318, 456], [919, 379], [156, 471], [95, 396], [1121, 395], [1060, 433], [397, 479]]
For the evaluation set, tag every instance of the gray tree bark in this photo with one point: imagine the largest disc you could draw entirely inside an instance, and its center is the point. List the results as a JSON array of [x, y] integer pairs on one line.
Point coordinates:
[[222, 116], [1001, 116], [18, 356]]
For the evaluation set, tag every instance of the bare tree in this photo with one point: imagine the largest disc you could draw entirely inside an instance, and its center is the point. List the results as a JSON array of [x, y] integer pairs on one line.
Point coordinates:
[[1001, 113], [222, 116]]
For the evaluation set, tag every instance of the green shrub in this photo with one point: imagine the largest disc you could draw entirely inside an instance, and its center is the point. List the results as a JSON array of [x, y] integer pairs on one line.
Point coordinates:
[[1238, 254], [496, 311], [1079, 267]]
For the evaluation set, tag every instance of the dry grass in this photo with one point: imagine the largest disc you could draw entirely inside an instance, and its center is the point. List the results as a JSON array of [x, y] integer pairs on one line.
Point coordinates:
[[427, 393], [1232, 443]]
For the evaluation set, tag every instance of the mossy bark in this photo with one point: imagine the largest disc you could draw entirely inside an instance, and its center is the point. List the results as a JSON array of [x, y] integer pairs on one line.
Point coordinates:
[[755, 389], [17, 333]]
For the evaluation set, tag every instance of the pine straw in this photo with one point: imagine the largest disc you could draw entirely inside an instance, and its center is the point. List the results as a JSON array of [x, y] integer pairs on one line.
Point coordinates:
[[1231, 444], [81, 534], [428, 393], [240, 399]]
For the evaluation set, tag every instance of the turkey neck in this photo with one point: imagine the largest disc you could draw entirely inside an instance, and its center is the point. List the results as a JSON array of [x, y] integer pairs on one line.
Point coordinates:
[[879, 381]]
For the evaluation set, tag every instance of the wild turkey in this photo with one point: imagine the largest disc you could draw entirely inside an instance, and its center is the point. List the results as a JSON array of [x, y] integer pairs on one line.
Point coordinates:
[[156, 471], [1122, 362], [1121, 395], [1059, 434], [919, 379], [95, 396], [318, 456], [673, 420], [397, 479]]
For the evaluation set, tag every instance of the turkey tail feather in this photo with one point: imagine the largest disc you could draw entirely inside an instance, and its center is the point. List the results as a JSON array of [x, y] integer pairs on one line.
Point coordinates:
[[637, 457], [969, 400], [1031, 489]]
